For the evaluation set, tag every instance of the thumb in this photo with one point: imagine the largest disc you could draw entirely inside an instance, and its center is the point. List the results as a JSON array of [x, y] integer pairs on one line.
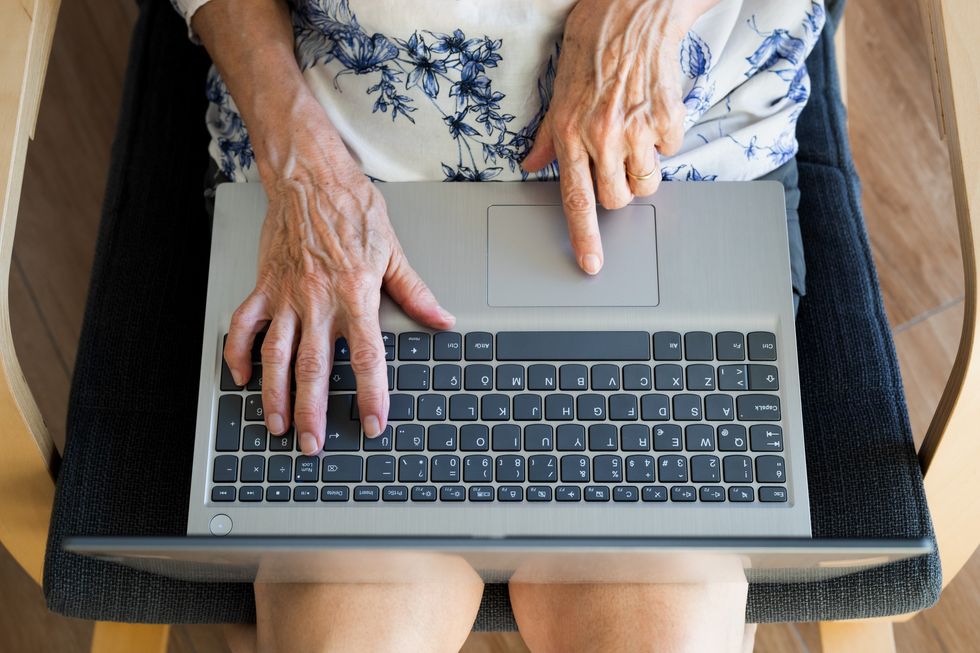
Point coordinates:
[[406, 287], [543, 151]]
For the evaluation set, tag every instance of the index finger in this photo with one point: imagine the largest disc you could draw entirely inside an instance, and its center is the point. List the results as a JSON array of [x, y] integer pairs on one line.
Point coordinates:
[[367, 357], [578, 201]]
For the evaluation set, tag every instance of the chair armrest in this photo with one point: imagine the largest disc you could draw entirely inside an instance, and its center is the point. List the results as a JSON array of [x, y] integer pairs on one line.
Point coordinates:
[[28, 454], [950, 453]]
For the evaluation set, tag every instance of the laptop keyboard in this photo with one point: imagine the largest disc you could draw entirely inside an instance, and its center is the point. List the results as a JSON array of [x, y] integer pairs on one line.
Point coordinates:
[[538, 417]]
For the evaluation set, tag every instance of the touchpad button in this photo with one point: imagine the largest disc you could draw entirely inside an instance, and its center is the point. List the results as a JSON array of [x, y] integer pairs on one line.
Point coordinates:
[[530, 259]]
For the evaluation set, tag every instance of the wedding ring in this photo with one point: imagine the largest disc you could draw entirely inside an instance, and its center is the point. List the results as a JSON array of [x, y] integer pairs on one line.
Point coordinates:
[[641, 177]]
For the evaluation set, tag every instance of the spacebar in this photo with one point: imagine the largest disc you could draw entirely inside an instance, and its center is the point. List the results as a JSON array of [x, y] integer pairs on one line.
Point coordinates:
[[573, 346]]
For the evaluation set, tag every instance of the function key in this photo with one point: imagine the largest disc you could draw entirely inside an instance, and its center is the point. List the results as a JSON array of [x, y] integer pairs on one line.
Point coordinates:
[[741, 494], [413, 346], [223, 493], [452, 493], [730, 346], [625, 493], [656, 493], [762, 346], [424, 493], [697, 346], [277, 493], [479, 346], [341, 350], [304, 493], [682, 493], [539, 493], [568, 493], [667, 346], [481, 493], [447, 346], [250, 493]]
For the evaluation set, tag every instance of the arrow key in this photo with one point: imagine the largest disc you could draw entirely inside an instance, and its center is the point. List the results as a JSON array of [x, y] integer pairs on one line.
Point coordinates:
[[342, 378], [763, 377]]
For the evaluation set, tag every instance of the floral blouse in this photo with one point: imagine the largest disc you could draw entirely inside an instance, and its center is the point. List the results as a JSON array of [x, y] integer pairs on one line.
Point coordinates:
[[455, 89]]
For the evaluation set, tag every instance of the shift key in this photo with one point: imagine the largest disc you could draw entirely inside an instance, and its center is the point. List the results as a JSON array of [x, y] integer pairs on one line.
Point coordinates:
[[758, 408]]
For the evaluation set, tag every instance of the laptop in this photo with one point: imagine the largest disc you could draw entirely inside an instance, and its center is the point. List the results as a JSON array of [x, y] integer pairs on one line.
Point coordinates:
[[653, 409]]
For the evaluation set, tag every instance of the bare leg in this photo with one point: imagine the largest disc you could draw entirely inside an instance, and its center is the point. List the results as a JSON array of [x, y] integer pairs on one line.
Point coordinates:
[[432, 615], [660, 618]]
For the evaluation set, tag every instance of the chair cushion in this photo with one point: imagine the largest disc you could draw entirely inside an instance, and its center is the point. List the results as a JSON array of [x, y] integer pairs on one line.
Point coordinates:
[[126, 468]]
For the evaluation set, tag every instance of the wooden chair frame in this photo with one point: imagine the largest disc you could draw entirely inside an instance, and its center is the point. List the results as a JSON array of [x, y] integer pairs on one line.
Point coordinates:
[[950, 454]]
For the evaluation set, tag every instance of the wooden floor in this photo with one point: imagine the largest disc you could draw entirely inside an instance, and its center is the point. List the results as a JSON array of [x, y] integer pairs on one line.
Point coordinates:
[[908, 206]]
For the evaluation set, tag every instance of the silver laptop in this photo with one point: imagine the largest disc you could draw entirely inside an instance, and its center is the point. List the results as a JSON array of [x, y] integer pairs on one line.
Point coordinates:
[[652, 408]]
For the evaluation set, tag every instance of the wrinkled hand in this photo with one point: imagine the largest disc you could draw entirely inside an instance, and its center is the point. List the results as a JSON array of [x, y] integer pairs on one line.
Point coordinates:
[[326, 248], [617, 103]]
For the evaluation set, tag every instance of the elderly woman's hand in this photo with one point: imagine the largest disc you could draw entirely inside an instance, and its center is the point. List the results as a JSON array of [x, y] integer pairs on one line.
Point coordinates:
[[326, 248], [617, 102]]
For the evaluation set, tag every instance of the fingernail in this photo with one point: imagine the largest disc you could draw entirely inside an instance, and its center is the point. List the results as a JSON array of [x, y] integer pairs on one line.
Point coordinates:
[[590, 263], [276, 424], [308, 443], [446, 315], [238, 377], [372, 426]]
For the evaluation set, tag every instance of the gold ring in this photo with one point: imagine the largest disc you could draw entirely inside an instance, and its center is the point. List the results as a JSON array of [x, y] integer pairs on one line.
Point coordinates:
[[642, 177]]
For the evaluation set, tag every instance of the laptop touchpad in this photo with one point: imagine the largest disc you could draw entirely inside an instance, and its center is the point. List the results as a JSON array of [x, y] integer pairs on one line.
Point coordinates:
[[530, 259]]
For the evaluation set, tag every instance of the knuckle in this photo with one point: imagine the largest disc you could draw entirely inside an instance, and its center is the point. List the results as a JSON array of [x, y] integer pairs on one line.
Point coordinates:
[[311, 365], [578, 201], [272, 397], [367, 357], [309, 413], [275, 354]]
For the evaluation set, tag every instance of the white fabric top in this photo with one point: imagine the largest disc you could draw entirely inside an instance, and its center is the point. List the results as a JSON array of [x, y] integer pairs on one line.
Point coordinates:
[[455, 89]]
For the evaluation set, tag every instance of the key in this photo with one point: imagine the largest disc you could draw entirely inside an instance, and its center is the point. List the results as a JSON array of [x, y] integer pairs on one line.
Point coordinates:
[[603, 437], [667, 437], [712, 493], [225, 469], [343, 433], [481, 493], [607, 469], [763, 377], [596, 493], [442, 437], [653, 407], [253, 408], [410, 437], [687, 407], [667, 346], [573, 346], [718, 408], [424, 493], [705, 469], [654, 493], [341, 350], [280, 493], [229, 427], [591, 407], [700, 377], [282, 442], [731, 437], [447, 377], [668, 377], [395, 493], [367, 493], [640, 469], [307, 469], [452, 493], [342, 469], [699, 437], [737, 469], [432, 408], [605, 377], [573, 377], [527, 407], [510, 377], [342, 378], [388, 339], [698, 346], [463, 408], [334, 493], [758, 408], [622, 407], [412, 469], [634, 437], [391, 378], [413, 346], [280, 469], [570, 437], [380, 469], [401, 408], [558, 407], [477, 469], [478, 377], [541, 377], [250, 493], [254, 438], [510, 493], [221, 493], [741, 494], [574, 469], [542, 469], [380, 443], [538, 437], [672, 469], [568, 493], [227, 383], [732, 377], [510, 469], [637, 377], [539, 493], [495, 407], [770, 469], [255, 381], [762, 346], [625, 493], [479, 346], [447, 346], [474, 437], [683, 493], [773, 494], [730, 346], [445, 469], [413, 377], [506, 437], [766, 437]]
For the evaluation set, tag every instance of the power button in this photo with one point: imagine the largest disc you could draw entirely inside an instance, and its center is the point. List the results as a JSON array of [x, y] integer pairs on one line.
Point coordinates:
[[220, 525]]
